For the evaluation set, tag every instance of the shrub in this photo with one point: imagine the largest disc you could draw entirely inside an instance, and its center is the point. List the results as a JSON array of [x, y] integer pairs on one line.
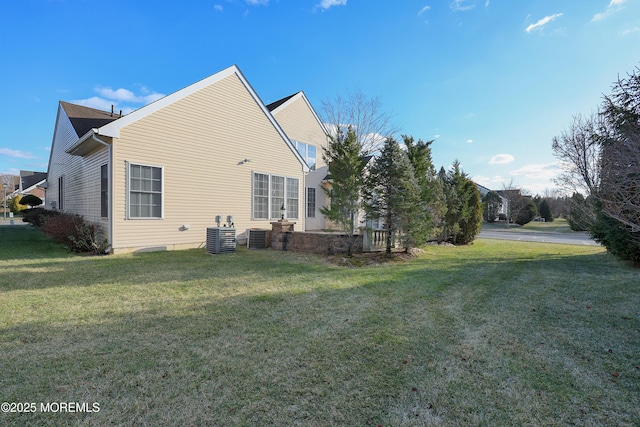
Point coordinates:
[[14, 204], [613, 236], [76, 233], [38, 216], [31, 200], [527, 214]]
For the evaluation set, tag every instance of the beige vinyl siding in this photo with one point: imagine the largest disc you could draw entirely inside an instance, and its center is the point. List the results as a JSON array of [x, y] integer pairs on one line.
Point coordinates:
[[81, 174], [201, 142], [300, 123]]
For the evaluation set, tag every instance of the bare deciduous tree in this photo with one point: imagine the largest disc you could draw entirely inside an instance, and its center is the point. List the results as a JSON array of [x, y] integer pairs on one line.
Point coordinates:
[[578, 150], [620, 163], [362, 115]]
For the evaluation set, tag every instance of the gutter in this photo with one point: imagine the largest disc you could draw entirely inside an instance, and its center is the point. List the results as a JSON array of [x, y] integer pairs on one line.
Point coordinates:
[[94, 133]]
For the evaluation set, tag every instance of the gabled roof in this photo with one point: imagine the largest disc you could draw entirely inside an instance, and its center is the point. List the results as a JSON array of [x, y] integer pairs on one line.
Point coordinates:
[[279, 102], [83, 119], [29, 178], [112, 125], [274, 107]]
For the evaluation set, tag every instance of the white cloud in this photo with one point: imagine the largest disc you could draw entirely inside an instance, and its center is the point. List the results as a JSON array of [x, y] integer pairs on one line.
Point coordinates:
[[630, 31], [95, 102], [15, 153], [462, 5], [537, 172], [257, 2], [494, 182], [423, 10], [501, 159], [541, 23], [118, 94], [614, 6], [326, 4], [120, 98], [126, 95], [469, 141], [218, 7]]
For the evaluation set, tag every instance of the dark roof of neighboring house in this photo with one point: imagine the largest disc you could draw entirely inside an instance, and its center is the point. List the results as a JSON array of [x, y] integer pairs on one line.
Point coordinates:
[[279, 102], [30, 178], [84, 119]]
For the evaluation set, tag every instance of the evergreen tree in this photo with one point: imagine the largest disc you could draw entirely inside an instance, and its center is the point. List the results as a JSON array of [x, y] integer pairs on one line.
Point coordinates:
[[527, 213], [464, 209], [31, 200], [492, 203], [431, 209], [580, 212], [346, 170], [544, 210], [392, 193]]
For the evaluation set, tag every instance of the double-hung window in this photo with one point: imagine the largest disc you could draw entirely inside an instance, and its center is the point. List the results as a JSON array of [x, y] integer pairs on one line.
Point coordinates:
[[260, 196], [61, 193], [292, 198], [145, 191], [271, 193], [308, 153], [104, 191], [277, 195], [311, 202]]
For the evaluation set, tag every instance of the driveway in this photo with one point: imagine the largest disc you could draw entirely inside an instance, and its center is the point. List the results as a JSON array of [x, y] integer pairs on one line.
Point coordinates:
[[577, 238]]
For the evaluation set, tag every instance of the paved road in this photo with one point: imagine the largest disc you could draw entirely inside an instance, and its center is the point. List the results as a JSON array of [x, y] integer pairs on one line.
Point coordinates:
[[567, 239]]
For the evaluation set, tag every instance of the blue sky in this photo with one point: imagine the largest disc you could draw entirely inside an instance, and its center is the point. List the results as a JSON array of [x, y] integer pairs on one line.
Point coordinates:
[[491, 81]]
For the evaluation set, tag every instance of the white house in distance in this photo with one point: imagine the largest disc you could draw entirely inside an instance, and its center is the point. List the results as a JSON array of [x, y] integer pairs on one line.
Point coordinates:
[[504, 208], [156, 178]]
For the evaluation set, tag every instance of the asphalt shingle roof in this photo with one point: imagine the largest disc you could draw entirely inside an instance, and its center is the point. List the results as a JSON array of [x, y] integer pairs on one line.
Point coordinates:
[[84, 119]]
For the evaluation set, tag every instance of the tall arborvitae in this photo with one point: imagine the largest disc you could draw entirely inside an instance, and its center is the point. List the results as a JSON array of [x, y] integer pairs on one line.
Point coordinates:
[[464, 209], [433, 206], [346, 170], [391, 192]]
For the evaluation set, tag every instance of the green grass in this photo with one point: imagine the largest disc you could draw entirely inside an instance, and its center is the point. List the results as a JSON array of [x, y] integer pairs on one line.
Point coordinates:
[[559, 225], [497, 333]]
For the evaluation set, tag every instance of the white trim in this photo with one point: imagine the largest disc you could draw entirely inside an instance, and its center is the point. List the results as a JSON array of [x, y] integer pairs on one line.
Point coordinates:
[[113, 129], [128, 191], [269, 196], [294, 98]]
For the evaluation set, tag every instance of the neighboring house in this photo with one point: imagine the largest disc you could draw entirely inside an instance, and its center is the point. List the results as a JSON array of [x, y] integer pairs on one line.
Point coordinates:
[[505, 202], [32, 183], [306, 131], [156, 178]]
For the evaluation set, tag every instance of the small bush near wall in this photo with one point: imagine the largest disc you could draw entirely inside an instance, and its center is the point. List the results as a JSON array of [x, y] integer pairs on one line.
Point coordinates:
[[38, 216], [76, 233]]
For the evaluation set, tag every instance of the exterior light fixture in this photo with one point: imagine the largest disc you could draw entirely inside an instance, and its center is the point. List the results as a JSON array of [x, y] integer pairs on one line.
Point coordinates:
[[283, 211]]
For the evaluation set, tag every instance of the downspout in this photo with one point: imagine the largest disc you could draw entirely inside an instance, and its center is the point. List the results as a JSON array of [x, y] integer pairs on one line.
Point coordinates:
[[110, 180]]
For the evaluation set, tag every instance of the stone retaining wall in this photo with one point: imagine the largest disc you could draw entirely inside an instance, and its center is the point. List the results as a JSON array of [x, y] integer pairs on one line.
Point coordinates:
[[284, 238]]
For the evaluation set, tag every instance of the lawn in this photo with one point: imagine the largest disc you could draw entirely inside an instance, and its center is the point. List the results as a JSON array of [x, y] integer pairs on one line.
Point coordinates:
[[559, 225], [496, 333]]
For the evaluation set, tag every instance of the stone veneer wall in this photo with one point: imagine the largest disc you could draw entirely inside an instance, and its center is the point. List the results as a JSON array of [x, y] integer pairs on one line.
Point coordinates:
[[284, 238]]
